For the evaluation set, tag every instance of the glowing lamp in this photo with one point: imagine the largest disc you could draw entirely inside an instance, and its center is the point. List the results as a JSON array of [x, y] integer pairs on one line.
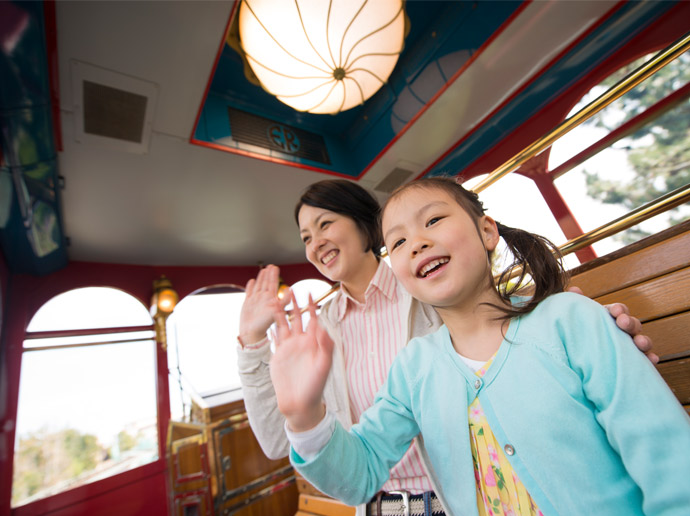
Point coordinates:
[[322, 56], [163, 303]]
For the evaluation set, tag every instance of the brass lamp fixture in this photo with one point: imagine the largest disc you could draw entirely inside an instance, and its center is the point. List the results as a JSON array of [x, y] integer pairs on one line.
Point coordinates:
[[322, 56], [163, 303]]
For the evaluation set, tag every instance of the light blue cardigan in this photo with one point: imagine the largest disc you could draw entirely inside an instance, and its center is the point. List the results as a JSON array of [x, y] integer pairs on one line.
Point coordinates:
[[594, 428]]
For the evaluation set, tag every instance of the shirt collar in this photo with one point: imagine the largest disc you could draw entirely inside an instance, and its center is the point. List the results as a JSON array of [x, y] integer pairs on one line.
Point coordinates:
[[383, 281]]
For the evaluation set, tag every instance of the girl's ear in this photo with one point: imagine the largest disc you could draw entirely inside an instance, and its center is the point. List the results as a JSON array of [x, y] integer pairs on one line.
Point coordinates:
[[489, 232]]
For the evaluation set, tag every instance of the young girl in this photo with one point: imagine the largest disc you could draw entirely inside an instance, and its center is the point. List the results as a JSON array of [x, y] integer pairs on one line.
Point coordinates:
[[526, 406]]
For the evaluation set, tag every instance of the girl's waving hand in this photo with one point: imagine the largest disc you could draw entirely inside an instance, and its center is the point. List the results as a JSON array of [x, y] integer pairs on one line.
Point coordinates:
[[300, 367]]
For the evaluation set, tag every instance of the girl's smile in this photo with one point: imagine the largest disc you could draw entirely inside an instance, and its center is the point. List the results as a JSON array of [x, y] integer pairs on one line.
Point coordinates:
[[431, 267]]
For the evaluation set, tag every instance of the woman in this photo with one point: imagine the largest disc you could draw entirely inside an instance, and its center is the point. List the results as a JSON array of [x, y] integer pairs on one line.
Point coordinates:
[[370, 319]]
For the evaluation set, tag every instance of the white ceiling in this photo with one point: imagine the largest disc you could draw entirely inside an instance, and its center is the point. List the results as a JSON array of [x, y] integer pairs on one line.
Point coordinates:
[[181, 204]]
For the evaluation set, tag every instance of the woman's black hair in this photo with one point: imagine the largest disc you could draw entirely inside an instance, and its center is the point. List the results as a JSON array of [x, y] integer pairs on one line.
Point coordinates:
[[533, 254], [348, 199]]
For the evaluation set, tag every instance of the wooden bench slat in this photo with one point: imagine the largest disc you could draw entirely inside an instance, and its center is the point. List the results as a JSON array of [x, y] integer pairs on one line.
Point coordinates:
[[677, 376], [669, 336], [306, 488], [324, 506], [639, 266], [657, 298]]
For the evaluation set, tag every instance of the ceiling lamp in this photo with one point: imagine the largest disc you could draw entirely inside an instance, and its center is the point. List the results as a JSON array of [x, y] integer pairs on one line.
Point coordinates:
[[322, 56]]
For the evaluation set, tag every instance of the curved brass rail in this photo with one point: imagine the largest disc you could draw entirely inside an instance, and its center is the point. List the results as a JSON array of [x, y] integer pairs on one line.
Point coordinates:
[[664, 203]]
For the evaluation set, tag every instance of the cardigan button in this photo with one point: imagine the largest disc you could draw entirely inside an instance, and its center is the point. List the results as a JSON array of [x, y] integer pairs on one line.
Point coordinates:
[[509, 449], [477, 384]]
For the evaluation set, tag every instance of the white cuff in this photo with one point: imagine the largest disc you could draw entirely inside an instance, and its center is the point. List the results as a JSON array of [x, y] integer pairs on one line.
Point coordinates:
[[308, 444], [253, 345]]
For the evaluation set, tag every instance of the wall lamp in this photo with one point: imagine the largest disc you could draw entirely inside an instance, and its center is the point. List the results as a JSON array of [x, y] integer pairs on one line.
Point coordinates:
[[163, 303]]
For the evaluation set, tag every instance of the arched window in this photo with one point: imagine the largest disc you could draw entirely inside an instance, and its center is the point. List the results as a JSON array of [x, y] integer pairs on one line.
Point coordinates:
[[202, 341], [87, 396]]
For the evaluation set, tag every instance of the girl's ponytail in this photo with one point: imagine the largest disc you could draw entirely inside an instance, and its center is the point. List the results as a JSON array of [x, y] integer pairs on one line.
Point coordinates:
[[534, 255]]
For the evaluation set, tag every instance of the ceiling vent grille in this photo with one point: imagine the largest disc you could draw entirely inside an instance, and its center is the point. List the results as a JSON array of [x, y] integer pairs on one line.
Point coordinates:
[[113, 113], [393, 180], [268, 134], [112, 109]]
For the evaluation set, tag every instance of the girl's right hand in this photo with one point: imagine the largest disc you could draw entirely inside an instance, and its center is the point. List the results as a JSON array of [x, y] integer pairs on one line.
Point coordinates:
[[300, 367], [261, 300]]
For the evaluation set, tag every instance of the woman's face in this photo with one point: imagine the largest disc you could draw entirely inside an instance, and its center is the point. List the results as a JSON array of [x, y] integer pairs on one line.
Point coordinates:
[[333, 243]]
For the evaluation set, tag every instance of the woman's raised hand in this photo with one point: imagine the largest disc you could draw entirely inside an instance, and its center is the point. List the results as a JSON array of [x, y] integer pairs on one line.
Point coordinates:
[[261, 300], [300, 367]]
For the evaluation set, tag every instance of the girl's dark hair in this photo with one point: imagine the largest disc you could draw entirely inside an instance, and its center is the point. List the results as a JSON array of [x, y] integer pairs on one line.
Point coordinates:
[[533, 254], [348, 199]]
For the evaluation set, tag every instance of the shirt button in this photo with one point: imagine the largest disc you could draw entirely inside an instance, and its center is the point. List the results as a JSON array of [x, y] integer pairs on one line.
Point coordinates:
[[477, 384], [509, 449]]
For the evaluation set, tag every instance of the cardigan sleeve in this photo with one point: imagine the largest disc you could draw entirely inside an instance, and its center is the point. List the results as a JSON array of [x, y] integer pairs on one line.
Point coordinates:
[[643, 420], [266, 421], [354, 465]]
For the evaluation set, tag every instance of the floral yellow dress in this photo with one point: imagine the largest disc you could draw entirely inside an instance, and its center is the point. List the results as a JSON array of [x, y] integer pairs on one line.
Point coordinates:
[[499, 490]]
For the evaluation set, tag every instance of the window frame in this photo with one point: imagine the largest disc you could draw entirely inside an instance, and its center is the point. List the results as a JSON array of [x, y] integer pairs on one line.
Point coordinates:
[[81, 494]]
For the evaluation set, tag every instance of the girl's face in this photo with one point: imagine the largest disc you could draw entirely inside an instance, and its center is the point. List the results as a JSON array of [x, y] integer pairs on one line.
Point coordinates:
[[333, 243], [436, 250]]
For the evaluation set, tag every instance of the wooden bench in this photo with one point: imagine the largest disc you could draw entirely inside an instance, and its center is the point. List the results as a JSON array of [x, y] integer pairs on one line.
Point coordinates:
[[652, 277], [313, 502]]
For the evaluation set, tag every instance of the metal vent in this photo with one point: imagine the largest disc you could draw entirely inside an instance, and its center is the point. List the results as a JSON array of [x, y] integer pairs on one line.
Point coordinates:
[[393, 180], [113, 113], [268, 134]]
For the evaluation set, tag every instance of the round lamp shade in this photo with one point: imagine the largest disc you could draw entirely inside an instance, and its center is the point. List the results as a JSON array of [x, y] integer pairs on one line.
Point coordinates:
[[322, 56]]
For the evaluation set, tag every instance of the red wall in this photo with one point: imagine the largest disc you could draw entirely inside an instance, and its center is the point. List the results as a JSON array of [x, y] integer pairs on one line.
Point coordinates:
[[144, 490]]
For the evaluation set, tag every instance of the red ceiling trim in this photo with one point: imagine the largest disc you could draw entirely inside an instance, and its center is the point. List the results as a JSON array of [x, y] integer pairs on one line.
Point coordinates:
[[522, 88], [440, 92]]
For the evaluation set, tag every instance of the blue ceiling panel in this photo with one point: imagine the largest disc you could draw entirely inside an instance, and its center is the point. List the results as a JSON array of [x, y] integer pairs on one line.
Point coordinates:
[[443, 36]]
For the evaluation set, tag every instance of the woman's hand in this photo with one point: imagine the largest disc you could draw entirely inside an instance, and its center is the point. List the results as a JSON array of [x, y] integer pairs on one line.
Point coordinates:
[[300, 367], [630, 325], [261, 300]]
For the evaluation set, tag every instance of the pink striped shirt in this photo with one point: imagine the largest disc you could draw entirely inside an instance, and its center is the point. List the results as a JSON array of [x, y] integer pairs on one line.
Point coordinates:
[[372, 335]]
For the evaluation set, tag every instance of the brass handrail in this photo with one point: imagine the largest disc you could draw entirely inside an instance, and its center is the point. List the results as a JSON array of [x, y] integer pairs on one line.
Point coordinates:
[[617, 90], [665, 202]]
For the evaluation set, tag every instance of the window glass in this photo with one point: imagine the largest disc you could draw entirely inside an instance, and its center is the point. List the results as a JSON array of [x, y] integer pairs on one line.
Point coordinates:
[[202, 337], [515, 201], [87, 408], [90, 307], [636, 169], [667, 80], [317, 289]]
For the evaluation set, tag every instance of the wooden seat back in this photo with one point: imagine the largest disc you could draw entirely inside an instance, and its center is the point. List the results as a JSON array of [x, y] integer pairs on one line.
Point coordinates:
[[652, 277]]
